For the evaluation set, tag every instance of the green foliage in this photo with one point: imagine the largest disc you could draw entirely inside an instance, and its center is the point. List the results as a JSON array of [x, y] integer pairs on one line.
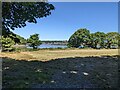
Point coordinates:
[[24, 49], [98, 40], [22, 40], [16, 14], [112, 39], [7, 44], [16, 38], [80, 37], [118, 40], [83, 37], [34, 41]]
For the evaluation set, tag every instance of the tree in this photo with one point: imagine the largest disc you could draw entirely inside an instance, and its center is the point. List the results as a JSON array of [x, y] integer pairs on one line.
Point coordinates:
[[16, 38], [7, 43], [98, 39], [92, 40], [16, 14], [34, 41], [118, 40], [112, 39], [21, 39], [83, 37], [80, 37]]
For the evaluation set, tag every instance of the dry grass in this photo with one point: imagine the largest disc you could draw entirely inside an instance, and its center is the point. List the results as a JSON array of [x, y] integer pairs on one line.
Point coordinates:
[[46, 55]]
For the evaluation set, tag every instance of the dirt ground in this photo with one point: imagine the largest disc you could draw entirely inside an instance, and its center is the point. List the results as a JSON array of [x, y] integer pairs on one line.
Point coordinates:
[[61, 69]]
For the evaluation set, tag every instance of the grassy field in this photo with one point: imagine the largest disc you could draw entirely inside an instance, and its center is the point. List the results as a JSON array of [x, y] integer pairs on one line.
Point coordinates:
[[68, 68], [46, 55]]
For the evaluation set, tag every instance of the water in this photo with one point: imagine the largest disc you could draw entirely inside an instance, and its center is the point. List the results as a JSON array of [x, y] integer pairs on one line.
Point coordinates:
[[52, 46]]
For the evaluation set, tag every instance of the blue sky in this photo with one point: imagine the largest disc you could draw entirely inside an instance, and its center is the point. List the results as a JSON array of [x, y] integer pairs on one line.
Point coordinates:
[[69, 17]]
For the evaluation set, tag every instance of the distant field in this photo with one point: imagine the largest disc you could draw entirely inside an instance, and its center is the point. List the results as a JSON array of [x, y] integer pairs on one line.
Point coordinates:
[[45, 55]]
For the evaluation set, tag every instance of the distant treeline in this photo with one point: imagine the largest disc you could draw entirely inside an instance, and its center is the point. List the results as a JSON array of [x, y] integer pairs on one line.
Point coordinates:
[[55, 42], [83, 38]]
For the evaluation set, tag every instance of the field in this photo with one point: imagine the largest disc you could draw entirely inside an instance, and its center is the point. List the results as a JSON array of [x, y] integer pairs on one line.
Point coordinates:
[[69, 68], [46, 55]]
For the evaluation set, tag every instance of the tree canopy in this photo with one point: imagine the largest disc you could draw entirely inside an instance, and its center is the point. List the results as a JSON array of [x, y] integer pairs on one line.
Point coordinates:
[[83, 37], [34, 41], [98, 39], [80, 37], [21, 40], [112, 38], [7, 43], [16, 14], [16, 38]]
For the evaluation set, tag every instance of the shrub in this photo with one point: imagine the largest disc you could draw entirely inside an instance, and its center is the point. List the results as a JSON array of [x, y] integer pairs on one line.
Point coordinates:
[[7, 44], [34, 41]]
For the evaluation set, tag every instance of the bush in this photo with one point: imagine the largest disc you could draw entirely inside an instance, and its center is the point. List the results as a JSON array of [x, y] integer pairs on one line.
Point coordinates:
[[7, 44], [34, 41], [19, 49]]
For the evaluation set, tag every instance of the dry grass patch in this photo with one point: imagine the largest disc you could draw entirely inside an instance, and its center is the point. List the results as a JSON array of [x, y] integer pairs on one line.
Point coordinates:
[[45, 55]]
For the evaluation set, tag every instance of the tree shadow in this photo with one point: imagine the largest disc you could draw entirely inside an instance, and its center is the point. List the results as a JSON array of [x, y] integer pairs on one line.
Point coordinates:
[[76, 72]]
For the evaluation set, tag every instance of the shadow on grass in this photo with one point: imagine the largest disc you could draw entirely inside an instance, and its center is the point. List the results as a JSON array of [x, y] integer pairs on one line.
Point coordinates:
[[77, 72]]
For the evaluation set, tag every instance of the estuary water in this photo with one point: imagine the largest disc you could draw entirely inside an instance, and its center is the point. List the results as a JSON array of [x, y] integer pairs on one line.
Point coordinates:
[[52, 46]]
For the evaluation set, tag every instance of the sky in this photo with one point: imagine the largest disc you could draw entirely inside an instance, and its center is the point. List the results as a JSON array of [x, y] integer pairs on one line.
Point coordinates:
[[68, 17]]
